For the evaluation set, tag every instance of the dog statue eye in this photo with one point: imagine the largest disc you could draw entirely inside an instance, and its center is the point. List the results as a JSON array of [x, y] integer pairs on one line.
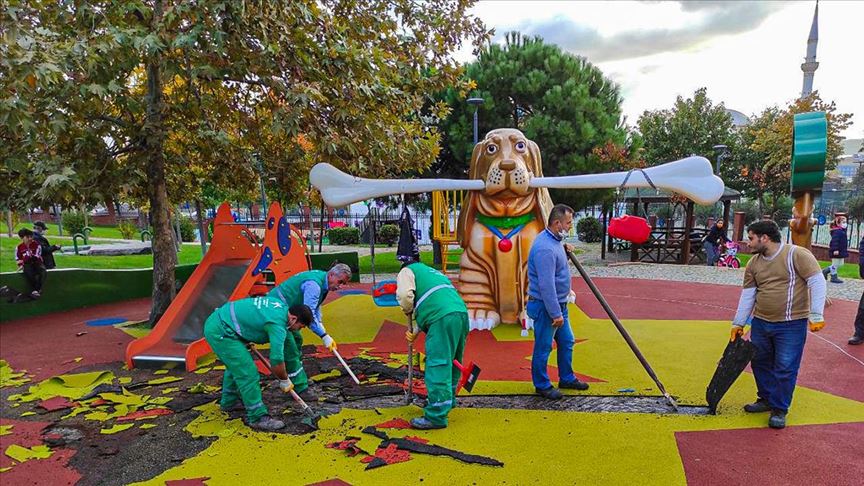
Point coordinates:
[[491, 149], [520, 146]]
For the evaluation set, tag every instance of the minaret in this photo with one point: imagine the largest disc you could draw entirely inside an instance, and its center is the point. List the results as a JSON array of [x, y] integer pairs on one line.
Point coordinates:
[[810, 65]]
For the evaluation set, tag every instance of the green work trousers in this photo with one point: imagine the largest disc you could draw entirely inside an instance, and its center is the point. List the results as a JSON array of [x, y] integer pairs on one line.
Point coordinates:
[[241, 379], [445, 341], [294, 361]]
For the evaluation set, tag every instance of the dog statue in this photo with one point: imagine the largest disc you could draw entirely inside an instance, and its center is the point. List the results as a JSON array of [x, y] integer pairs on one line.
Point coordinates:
[[498, 225]]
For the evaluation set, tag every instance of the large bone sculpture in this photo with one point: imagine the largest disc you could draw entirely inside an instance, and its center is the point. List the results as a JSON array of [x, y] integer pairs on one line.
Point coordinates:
[[506, 208]]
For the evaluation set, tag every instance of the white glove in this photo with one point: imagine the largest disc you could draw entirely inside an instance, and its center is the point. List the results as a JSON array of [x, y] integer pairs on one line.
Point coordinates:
[[329, 343], [571, 297], [286, 386]]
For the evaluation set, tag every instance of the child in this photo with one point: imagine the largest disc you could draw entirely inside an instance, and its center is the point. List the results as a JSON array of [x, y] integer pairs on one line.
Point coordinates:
[[28, 255], [39, 229], [838, 249]]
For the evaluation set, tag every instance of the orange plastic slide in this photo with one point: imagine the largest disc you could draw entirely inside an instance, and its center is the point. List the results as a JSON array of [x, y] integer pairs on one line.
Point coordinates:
[[235, 267]]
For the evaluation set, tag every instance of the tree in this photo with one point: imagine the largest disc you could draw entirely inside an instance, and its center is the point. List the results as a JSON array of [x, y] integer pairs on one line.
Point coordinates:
[[173, 94], [693, 126], [559, 100]]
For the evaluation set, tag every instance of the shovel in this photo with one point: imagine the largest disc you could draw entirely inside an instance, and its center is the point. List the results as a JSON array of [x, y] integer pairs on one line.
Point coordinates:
[[306, 409], [410, 360]]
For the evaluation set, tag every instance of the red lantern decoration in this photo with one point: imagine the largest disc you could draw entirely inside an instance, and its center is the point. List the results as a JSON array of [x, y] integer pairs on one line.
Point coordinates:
[[630, 228]]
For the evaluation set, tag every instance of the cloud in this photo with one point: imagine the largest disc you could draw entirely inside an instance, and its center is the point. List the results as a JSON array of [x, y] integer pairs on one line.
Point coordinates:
[[710, 19]]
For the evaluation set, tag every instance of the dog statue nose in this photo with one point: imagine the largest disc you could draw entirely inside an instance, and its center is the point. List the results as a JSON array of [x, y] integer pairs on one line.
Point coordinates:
[[507, 164]]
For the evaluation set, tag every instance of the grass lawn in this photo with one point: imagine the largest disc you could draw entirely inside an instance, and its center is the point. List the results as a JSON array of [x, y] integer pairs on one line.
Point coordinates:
[[98, 231], [188, 254], [387, 262], [849, 270]]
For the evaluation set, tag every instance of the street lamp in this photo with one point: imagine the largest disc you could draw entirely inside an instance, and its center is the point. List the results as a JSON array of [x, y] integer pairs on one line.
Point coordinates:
[[261, 182], [476, 102], [722, 153]]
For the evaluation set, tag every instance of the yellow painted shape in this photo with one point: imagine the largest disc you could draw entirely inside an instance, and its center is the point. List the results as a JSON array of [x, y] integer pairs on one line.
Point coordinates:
[[72, 386], [166, 379], [134, 329], [170, 390], [203, 388], [116, 428], [23, 454], [160, 372], [10, 377], [201, 371], [147, 426], [589, 448], [341, 319], [324, 376], [4, 469], [27, 414], [6, 429], [125, 380]]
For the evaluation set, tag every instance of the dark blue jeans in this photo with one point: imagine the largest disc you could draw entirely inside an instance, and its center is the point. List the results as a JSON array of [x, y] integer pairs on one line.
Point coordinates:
[[544, 334], [779, 346]]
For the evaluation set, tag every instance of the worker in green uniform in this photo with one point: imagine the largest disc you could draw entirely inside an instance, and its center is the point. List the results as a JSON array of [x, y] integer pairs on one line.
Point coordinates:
[[309, 288], [259, 320], [439, 311]]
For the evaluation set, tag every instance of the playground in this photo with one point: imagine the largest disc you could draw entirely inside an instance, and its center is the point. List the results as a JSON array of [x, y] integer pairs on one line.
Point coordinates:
[[118, 403]]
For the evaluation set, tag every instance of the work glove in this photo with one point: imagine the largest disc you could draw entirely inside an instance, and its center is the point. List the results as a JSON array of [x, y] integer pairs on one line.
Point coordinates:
[[410, 336], [329, 343], [817, 322], [571, 297], [286, 386], [737, 331]]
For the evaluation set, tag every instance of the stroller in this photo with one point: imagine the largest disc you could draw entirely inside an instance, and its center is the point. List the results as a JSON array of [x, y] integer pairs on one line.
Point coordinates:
[[728, 258]]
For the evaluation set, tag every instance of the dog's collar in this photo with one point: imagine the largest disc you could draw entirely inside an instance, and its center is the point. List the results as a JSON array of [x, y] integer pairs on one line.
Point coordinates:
[[505, 221]]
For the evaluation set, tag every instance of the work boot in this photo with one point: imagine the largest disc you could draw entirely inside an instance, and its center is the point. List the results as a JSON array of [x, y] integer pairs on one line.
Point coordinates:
[[550, 393], [308, 395], [573, 385], [422, 423], [759, 406], [777, 419], [856, 340], [267, 424], [835, 279], [825, 272]]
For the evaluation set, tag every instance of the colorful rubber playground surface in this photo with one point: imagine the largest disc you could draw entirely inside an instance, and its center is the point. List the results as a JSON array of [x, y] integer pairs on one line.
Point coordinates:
[[72, 413]]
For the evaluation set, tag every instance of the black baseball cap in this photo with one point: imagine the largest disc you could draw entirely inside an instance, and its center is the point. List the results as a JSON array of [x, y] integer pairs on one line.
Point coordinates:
[[39, 224]]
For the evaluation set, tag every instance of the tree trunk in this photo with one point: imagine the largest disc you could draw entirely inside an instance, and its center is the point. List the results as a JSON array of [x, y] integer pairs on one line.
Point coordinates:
[[164, 254], [9, 223], [112, 212]]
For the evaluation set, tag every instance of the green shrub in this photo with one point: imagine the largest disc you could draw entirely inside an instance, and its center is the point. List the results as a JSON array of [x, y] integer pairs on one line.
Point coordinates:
[[589, 230], [74, 222], [187, 229], [389, 234], [127, 229], [344, 236]]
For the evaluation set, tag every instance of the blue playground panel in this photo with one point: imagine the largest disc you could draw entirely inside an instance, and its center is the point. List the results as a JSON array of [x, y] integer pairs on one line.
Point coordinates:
[[108, 321]]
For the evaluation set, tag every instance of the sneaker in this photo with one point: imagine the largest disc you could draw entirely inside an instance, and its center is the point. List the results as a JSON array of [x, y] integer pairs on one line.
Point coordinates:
[[825, 272], [35, 294], [835, 279], [267, 424], [777, 419], [550, 393], [759, 406], [422, 423], [573, 385], [856, 340]]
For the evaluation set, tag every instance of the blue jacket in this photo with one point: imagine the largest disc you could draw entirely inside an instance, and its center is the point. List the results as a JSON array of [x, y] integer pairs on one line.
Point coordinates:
[[548, 273], [839, 242]]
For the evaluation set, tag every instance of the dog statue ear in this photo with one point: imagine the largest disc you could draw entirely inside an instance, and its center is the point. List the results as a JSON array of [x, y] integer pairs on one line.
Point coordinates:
[[544, 200], [469, 204]]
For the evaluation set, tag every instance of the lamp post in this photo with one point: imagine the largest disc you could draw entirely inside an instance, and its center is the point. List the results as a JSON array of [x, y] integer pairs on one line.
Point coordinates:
[[476, 102], [261, 182], [722, 153]]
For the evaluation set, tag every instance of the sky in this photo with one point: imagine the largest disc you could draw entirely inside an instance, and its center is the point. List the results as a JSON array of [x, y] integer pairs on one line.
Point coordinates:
[[748, 54]]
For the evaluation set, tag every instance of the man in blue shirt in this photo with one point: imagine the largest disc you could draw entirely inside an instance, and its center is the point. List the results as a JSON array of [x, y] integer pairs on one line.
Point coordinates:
[[548, 295]]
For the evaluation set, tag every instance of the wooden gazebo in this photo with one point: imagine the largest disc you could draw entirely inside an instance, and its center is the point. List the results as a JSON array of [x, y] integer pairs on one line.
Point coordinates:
[[670, 243]]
